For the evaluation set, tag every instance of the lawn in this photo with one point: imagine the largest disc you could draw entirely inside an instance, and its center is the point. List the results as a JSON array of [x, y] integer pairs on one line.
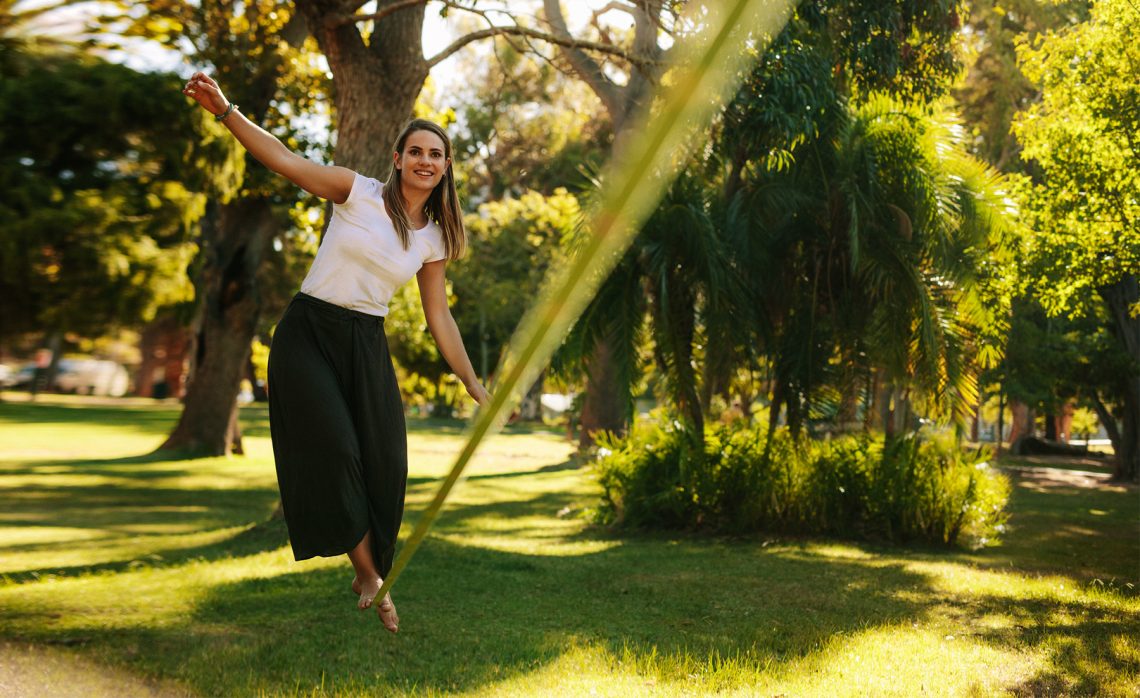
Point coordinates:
[[176, 572]]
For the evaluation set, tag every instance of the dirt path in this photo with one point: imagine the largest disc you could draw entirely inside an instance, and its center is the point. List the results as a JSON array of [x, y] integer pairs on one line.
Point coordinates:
[[1061, 471], [28, 671]]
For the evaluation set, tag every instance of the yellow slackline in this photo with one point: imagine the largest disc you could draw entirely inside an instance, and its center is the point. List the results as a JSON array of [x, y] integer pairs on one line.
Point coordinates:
[[707, 70]]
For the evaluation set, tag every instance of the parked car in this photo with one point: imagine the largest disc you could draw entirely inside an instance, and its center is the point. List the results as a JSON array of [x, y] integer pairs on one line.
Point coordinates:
[[21, 378], [9, 375], [92, 377]]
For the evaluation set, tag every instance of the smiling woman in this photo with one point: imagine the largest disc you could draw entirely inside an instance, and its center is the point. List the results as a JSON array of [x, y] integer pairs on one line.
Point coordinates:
[[335, 412]]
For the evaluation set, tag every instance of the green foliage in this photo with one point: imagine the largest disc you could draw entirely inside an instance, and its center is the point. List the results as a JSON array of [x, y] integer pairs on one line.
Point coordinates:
[[993, 87], [1081, 138], [907, 489], [834, 227], [513, 243], [99, 188], [1051, 361], [265, 60], [526, 126], [878, 247], [423, 375]]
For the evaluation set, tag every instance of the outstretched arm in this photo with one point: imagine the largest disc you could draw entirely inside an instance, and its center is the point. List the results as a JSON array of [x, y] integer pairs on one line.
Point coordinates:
[[326, 181], [433, 294]]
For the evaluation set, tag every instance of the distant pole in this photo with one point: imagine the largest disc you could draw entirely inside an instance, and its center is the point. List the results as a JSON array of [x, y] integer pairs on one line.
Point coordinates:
[[1001, 415], [483, 342]]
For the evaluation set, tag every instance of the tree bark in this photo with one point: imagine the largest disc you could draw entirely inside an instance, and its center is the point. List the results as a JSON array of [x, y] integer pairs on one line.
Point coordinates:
[[530, 410], [229, 313], [1022, 422], [1000, 419], [602, 405], [375, 85], [1121, 298], [1108, 422]]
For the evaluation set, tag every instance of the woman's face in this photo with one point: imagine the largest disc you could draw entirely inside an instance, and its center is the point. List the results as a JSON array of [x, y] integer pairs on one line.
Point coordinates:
[[423, 162]]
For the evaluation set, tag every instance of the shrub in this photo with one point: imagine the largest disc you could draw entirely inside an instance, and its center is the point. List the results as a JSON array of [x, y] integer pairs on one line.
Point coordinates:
[[641, 476], [911, 488]]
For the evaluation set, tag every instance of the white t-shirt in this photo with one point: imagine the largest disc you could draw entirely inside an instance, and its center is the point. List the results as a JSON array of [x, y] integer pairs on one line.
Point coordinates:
[[361, 262]]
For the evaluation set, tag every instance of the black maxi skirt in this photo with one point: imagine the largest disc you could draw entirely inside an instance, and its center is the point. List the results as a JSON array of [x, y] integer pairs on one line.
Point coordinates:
[[337, 424]]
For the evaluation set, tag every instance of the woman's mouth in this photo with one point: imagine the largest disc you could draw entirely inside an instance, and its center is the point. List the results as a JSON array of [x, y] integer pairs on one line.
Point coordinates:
[[424, 173]]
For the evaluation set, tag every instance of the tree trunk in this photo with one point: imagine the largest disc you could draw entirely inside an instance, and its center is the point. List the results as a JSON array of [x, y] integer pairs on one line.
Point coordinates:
[[873, 400], [888, 407], [1064, 423], [602, 408], [1108, 422], [375, 85], [531, 408], [1000, 419], [1121, 299], [230, 308], [1022, 422]]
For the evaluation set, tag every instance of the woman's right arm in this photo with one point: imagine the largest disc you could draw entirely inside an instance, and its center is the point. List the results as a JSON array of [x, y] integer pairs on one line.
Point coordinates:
[[326, 181]]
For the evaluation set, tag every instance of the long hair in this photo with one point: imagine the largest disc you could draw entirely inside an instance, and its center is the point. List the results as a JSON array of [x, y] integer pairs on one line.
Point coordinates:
[[442, 205]]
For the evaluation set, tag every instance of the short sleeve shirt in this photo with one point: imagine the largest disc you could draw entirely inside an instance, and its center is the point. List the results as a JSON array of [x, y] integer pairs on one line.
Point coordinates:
[[361, 262]]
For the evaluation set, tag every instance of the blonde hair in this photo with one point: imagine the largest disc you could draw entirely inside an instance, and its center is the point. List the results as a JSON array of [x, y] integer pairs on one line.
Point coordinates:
[[442, 205]]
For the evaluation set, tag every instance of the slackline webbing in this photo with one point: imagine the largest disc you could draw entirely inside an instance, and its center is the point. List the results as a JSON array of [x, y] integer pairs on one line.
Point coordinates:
[[706, 70]]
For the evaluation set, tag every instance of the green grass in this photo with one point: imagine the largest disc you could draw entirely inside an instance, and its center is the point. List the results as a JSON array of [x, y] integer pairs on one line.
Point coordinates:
[[174, 570]]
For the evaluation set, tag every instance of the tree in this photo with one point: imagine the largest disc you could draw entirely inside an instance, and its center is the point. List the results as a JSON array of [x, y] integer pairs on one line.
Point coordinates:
[[994, 88], [823, 196], [100, 188], [604, 406], [988, 96], [1084, 204], [526, 127], [257, 49]]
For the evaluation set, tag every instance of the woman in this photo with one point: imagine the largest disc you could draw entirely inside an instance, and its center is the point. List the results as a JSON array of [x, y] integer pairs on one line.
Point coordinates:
[[335, 413]]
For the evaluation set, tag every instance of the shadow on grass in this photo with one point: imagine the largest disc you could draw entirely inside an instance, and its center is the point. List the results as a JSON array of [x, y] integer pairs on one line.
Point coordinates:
[[250, 540], [1087, 533], [475, 616], [472, 617], [572, 463], [1086, 642], [153, 420]]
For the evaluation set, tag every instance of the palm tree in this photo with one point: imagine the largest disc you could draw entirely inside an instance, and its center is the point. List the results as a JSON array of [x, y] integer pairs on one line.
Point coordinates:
[[872, 255], [670, 280]]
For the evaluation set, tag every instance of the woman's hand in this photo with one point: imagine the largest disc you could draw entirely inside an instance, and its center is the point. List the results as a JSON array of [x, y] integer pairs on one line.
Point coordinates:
[[478, 393], [205, 91], [326, 181]]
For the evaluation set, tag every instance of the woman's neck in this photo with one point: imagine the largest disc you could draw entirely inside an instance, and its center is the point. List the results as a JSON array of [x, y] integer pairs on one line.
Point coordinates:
[[414, 202]]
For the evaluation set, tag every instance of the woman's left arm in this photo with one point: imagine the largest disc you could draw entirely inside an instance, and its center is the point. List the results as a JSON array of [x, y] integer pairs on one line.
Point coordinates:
[[433, 294]]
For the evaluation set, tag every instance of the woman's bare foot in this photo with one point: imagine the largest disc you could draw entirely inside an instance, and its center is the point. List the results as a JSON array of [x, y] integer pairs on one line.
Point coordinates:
[[387, 612], [385, 609], [368, 591]]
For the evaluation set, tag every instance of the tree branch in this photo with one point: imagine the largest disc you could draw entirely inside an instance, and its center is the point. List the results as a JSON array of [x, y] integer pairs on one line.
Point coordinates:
[[338, 20], [566, 42], [611, 94]]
